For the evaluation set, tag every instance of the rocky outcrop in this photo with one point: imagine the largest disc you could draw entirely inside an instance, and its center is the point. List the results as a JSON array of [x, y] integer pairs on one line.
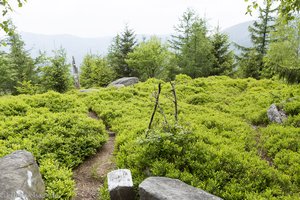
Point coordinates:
[[161, 188], [120, 185], [126, 81], [20, 178], [276, 115]]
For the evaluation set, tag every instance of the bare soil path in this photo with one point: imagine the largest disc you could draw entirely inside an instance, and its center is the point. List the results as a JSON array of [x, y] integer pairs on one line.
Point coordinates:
[[90, 175]]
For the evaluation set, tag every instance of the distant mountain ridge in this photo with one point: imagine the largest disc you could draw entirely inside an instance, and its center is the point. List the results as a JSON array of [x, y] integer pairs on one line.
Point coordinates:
[[79, 46], [74, 46], [239, 33]]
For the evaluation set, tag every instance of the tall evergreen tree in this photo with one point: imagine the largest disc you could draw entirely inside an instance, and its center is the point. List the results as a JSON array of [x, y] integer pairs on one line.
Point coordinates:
[[251, 59], [7, 74], [119, 49], [56, 74], [95, 72], [224, 57], [191, 45], [283, 57], [183, 30], [21, 62]]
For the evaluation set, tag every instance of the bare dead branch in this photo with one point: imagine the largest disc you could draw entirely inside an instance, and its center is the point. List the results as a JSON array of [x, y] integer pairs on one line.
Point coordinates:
[[175, 102], [155, 107]]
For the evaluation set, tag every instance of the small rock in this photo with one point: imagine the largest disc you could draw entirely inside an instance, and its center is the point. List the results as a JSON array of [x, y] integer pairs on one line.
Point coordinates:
[[276, 115], [158, 188], [126, 81], [120, 185], [20, 178]]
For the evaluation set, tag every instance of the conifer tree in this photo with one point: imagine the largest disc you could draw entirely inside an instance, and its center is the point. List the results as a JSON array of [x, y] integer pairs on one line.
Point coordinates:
[[251, 59], [191, 45], [56, 75], [183, 30], [95, 72], [224, 57], [21, 62], [119, 49], [283, 57]]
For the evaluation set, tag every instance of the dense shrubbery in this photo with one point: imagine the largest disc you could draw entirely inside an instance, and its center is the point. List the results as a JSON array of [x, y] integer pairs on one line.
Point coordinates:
[[56, 129], [225, 144]]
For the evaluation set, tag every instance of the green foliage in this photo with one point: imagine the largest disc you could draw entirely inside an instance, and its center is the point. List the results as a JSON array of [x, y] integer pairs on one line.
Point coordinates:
[[251, 60], [118, 52], [56, 129], [26, 87], [56, 74], [6, 8], [193, 48], [95, 72], [8, 74], [218, 147], [149, 59], [286, 7], [21, 64], [223, 64], [225, 143], [283, 57]]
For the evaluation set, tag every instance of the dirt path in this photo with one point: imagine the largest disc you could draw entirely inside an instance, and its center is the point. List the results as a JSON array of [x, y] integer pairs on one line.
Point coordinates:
[[90, 175]]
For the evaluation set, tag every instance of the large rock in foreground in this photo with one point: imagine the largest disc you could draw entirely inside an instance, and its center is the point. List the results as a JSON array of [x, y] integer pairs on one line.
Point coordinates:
[[276, 115], [126, 81], [161, 188], [20, 178]]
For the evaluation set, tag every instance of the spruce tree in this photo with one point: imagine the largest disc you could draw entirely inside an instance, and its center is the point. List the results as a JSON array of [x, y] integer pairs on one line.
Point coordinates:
[[56, 75], [251, 59], [119, 49], [283, 56], [183, 30], [224, 57], [192, 46], [21, 62], [95, 72]]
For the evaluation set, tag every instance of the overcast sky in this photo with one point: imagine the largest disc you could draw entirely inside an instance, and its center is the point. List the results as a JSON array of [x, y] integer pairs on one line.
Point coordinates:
[[96, 18]]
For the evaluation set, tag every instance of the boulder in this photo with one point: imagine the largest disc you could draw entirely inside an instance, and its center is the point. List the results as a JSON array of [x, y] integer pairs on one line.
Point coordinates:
[[276, 115], [126, 81], [158, 188], [120, 185], [89, 90], [20, 178]]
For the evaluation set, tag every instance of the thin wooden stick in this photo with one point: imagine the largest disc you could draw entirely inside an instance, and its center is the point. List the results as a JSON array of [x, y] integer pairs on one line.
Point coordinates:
[[155, 107], [175, 102]]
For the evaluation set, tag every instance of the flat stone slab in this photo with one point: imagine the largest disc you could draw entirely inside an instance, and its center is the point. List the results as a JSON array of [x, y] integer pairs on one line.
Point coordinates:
[[162, 188], [120, 185]]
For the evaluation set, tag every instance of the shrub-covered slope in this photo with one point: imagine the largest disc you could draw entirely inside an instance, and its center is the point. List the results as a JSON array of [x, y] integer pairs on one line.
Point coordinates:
[[223, 142], [56, 129]]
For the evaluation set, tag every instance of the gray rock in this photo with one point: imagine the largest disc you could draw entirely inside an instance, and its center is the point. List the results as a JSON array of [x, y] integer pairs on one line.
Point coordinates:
[[89, 90], [276, 115], [20, 178], [161, 188], [120, 185], [126, 81]]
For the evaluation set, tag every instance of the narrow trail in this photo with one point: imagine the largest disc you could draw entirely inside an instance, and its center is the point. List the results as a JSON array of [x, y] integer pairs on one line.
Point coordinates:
[[260, 150], [90, 175]]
